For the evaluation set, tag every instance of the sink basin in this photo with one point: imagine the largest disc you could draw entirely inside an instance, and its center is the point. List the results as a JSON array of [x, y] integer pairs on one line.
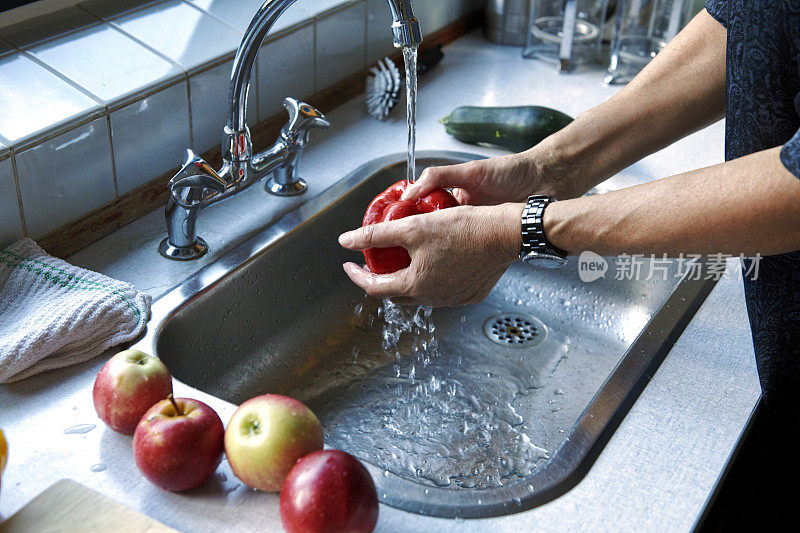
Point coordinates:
[[476, 411]]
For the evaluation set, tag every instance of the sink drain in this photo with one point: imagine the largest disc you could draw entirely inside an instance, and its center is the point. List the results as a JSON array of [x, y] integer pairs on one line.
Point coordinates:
[[513, 330]]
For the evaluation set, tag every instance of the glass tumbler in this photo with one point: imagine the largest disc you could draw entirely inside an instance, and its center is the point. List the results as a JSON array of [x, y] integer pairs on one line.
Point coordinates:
[[642, 28], [566, 32]]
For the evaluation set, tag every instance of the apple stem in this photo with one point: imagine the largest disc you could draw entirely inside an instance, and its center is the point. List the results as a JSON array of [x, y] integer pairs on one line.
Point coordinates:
[[175, 405]]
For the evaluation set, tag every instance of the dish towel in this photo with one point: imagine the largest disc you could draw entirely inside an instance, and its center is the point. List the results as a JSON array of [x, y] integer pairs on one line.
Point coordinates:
[[53, 314]]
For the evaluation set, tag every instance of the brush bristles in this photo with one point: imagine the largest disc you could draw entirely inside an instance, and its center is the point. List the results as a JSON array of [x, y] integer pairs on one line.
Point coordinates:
[[384, 84]]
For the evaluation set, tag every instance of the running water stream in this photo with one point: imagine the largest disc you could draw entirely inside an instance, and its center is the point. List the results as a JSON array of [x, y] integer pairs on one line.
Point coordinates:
[[410, 58]]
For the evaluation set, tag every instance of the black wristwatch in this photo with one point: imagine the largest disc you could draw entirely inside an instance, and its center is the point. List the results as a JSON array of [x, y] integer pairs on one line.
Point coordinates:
[[537, 251]]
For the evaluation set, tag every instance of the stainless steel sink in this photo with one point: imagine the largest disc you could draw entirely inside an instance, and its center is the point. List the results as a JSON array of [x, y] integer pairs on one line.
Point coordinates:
[[503, 407]]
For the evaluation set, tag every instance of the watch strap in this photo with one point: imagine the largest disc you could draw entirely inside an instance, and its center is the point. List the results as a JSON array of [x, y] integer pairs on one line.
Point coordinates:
[[533, 238]]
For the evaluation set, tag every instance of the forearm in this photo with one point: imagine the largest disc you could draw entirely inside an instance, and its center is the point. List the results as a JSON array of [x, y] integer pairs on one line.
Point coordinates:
[[682, 90], [746, 206]]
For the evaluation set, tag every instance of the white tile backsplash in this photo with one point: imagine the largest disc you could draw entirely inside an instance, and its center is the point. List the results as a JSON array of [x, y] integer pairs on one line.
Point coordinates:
[[209, 92], [150, 136], [239, 13], [340, 45], [324, 7], [10, 224], [65, 177], [33, 99], [106, 62], [285, 68], [181, 32], [379, 31], [158, 72], [209, 103]]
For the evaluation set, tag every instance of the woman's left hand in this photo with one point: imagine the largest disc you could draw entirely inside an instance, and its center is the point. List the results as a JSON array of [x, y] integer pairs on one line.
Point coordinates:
[[457, 254]]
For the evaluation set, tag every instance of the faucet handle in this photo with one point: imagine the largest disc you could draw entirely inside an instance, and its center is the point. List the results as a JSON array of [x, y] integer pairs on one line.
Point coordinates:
[[195, 176], [302, 117]]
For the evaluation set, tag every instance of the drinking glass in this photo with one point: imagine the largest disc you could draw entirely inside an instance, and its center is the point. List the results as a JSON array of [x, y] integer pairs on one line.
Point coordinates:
[[567, 32], [642, 28]]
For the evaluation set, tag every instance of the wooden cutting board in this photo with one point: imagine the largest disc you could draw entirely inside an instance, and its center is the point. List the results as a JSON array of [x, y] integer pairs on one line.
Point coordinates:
[[67, 506]]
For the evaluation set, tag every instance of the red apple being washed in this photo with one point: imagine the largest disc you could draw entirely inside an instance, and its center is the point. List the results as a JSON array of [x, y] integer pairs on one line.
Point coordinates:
[[265, 437], [329, 490], [178, 443], [127, 386]]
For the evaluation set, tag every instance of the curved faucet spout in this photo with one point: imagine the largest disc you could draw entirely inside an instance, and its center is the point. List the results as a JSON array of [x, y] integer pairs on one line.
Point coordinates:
[[405, 31]]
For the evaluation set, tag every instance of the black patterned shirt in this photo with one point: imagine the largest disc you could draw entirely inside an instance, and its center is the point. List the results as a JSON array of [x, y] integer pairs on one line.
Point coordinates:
[[762, 112]]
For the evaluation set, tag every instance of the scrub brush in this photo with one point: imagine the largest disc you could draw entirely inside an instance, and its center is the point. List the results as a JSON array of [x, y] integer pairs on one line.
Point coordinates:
[[384, 85], [385, 82]]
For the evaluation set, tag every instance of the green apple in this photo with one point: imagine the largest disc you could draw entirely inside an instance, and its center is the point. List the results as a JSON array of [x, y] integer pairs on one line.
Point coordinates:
[[266, 436]]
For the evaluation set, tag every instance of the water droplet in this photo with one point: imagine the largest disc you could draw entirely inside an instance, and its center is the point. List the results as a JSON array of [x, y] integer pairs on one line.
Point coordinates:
[[80, 429]]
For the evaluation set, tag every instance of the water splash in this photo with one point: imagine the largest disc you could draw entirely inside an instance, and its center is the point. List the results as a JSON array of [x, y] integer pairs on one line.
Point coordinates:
[[440, 414], [80, 429]]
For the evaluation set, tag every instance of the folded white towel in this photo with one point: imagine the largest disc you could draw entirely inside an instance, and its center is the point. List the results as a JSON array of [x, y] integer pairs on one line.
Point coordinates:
[[53, 314]]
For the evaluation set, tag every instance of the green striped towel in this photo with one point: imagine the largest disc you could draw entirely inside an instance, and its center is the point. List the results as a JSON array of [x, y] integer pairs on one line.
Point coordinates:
[[53, 314]]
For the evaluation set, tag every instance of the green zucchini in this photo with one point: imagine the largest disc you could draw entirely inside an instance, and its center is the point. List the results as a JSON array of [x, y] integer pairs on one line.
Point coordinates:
[[513, 128]]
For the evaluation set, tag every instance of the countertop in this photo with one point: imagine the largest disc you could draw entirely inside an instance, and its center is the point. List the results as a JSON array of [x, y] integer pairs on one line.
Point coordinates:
[[657, 472]]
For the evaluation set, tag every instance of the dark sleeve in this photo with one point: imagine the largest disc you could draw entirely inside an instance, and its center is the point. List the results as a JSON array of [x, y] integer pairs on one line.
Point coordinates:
[[719, 10], [790, 155]]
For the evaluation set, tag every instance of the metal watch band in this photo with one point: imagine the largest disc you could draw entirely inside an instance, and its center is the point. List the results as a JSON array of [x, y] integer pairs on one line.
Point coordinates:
[[533, 237]]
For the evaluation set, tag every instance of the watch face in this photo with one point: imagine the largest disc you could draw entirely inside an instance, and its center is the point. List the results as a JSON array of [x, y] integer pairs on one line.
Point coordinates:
[[544, 260]]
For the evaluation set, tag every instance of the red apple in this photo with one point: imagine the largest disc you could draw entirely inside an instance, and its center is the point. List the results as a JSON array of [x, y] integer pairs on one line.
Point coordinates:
[[329, 491], [178, 443], [265, 437], [127, 386]]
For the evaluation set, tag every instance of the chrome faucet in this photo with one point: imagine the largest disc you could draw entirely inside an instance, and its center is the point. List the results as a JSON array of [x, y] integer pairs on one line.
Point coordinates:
[[197, 185]]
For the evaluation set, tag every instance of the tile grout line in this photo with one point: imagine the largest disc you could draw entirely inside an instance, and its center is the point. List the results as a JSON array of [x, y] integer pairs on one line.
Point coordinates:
[[80, 88], [314, 54], [112, 24], [23, 224], [113, 158], [189, 103]]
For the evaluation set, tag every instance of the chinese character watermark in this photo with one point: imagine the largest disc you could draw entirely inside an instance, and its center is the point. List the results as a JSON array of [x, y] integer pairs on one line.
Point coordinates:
[[592, 267]]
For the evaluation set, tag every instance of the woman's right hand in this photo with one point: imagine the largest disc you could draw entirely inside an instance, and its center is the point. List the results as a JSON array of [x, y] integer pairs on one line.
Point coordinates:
[[510, 178]]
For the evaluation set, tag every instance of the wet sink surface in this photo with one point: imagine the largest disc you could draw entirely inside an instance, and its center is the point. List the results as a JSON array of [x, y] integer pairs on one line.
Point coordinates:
[[479, 410]]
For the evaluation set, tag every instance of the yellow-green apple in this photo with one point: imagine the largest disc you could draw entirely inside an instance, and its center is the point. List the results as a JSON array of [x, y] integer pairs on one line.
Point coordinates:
[[329, 490], [265, 437], [127, 386], [178, 443]]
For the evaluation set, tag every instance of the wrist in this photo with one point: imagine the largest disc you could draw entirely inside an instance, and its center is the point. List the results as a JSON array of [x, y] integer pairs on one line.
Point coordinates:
[[507, 221], [553, 224], [566, 161]]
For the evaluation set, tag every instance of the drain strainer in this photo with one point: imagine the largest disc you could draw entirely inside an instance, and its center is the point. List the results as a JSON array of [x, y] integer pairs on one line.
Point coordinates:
[[513, 330]]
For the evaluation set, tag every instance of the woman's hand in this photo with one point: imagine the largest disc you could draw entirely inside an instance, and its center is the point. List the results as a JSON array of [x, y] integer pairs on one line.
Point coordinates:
[[457, 254], [510, 178]]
